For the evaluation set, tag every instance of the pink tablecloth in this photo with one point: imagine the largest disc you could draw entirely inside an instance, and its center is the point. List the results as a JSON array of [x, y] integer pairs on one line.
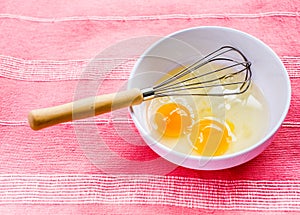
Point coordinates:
[[44, 50]]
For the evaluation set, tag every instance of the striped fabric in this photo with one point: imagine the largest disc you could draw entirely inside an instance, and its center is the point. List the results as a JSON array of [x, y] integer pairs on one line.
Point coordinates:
[[45, 48]]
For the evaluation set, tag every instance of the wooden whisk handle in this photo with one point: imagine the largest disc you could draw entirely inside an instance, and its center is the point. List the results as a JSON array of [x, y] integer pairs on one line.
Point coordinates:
[[84, 108]]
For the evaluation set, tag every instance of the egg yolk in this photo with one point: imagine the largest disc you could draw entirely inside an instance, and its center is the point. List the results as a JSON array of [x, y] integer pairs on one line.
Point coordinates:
[[172, 119], [210, 137]]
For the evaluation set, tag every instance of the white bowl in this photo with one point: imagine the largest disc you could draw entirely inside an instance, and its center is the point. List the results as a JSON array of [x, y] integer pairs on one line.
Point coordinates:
[[269, 74]]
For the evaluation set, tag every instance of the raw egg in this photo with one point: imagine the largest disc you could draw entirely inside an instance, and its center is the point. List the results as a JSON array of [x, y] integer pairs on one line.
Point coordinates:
[[210, 137], [209, 126], [172, 119]]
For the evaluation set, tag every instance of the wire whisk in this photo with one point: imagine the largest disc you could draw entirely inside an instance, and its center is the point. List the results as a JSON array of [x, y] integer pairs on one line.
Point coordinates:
[[225, 71], [189, 81]]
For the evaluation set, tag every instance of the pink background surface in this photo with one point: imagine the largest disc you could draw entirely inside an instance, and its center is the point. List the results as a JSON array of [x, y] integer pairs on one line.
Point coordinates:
[[44, 48]]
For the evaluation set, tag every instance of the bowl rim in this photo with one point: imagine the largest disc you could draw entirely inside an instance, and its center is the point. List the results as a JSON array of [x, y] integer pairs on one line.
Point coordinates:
[[263, 140]]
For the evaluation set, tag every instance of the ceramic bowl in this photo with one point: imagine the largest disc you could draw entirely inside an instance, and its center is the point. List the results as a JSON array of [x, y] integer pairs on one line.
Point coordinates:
[[269, 74]]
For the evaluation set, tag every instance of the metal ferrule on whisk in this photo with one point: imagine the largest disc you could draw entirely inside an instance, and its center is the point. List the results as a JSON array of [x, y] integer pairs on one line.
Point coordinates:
[[148, 93]]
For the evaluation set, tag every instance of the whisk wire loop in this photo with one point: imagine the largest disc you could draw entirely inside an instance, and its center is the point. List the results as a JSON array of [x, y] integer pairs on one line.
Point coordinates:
[[198, 78]]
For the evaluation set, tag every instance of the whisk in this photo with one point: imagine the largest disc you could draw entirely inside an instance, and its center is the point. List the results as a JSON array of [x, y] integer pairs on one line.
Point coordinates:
[[201, 78]]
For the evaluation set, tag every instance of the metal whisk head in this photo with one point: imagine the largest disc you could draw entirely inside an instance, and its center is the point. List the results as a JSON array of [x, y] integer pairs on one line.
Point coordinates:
[[225, 71]]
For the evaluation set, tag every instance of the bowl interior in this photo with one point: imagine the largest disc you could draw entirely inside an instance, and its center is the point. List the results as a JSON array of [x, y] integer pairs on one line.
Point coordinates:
[[268, 71]]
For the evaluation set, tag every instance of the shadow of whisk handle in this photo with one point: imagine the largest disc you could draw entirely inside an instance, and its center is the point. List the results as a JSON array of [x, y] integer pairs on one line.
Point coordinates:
[[84, 108]]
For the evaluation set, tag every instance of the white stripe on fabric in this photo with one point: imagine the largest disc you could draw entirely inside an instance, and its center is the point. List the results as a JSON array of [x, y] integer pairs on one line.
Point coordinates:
[[51, 70], [152, 17], [149, 189]]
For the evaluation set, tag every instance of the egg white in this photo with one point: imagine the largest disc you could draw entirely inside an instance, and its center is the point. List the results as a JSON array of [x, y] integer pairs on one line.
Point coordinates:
[[247, 112]]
